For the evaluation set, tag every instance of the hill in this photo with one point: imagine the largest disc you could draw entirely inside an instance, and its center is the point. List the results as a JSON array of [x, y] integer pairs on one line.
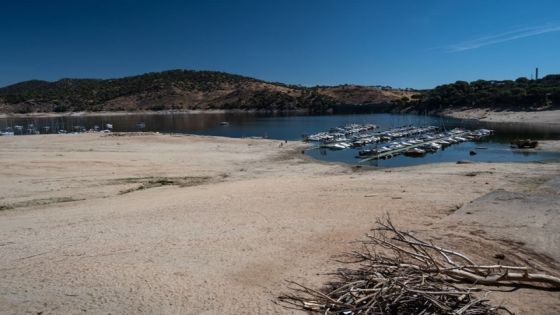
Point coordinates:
[[185, 89], [519, 95]]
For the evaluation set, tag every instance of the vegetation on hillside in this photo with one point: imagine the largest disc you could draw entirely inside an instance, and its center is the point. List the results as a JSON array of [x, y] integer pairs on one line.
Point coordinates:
[[185, 89], [521, 94], [175, 89], [91, 94]]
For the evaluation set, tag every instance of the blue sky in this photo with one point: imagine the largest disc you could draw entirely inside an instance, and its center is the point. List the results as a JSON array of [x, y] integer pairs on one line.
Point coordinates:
[[417, 44]]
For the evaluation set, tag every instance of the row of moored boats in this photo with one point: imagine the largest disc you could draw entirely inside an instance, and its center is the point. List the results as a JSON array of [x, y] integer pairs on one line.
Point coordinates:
[[31, 129], [409, 140], [426, 143]]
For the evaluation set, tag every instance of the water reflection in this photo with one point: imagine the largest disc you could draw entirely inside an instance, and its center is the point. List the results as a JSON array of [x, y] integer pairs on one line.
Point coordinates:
[[524, 152]]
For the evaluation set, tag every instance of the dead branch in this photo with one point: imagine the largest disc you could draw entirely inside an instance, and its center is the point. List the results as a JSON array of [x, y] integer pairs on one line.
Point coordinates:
[[415, 277]]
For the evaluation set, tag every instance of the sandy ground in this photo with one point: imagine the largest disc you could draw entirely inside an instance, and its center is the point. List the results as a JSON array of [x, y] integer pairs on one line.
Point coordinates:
[[159, 224], [547, 117]]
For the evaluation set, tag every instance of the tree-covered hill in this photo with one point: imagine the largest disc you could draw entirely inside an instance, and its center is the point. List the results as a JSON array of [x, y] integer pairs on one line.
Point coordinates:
[[186, 89], [521, 94], [180, 89]]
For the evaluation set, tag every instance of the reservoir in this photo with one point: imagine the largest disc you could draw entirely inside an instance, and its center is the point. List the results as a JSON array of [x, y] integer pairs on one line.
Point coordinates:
[[494, 148]]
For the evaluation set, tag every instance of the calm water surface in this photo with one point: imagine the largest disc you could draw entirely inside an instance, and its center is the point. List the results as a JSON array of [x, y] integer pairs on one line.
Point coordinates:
[[291, 127]]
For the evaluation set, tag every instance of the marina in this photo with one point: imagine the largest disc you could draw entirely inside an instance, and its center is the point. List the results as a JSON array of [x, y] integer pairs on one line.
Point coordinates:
[[37, 129], [416, 140], [427, 143]]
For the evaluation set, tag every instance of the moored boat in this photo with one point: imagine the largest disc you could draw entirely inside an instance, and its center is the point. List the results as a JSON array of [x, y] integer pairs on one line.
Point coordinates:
[[415, 152], [7, 132]]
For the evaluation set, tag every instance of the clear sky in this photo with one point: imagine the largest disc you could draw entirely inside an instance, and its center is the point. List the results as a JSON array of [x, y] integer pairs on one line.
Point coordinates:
[[415, 43]]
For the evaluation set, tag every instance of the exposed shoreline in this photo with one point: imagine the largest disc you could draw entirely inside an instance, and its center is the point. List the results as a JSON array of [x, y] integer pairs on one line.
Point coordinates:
[[151, 223], [545, 117]]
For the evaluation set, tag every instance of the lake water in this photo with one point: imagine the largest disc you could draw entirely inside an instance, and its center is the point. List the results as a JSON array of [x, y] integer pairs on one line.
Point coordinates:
[[291, 127]]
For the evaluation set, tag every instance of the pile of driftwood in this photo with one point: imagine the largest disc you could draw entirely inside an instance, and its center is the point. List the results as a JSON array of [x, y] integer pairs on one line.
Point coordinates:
[[398, 273]]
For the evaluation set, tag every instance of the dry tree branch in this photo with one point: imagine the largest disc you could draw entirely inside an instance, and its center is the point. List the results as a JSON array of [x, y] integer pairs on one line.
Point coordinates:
[[417, 277]]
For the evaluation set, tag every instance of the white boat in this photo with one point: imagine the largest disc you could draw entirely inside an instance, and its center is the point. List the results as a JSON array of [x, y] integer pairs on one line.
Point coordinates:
[[435, 145], [336, 146]]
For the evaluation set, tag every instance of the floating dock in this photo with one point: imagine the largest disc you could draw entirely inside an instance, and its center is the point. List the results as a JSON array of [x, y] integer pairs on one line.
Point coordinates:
[[398, 151]]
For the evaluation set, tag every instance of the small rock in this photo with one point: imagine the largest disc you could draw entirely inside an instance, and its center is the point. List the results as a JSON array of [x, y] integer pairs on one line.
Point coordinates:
[[500, 256]]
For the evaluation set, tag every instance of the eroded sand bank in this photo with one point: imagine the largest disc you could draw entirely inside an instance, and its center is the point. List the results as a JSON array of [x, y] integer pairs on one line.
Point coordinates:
[[165, 224], [545, 117]]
